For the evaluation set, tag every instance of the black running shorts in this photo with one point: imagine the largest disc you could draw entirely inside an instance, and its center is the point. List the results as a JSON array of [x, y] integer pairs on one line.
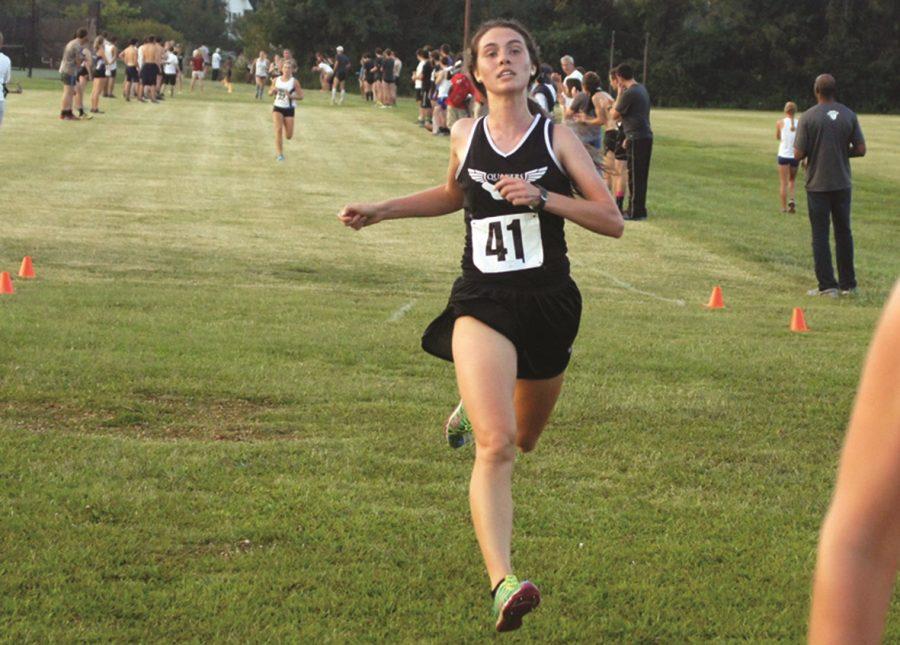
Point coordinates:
[[541, 322], [149, 73], [609, 140], [131, 74], [621, 153], [287, 113]]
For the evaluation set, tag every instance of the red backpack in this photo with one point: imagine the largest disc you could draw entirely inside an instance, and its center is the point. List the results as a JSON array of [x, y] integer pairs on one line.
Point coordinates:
[[460, 90]]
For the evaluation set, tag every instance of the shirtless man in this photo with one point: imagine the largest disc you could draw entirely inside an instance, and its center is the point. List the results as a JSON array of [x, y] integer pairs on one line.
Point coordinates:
[[160, 59], [129, 56], [149, 70]]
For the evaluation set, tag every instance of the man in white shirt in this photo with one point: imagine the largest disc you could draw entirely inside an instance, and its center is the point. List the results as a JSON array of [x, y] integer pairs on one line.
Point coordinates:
[[216, 64], [170, 71], [568, 67], [5, 78]]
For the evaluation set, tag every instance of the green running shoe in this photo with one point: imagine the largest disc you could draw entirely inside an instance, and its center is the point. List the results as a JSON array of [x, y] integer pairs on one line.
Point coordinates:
[[513, 600], [458, 429]]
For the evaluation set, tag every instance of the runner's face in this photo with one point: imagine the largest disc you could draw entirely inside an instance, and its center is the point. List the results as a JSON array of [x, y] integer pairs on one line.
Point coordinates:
[[504, 65]]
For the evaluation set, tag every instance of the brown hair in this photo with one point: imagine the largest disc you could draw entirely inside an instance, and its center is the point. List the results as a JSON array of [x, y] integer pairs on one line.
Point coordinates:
[[790, 108], [534, 53]]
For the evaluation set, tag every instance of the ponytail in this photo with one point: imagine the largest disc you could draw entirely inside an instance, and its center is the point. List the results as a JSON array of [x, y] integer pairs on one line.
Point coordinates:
[[790, 108]]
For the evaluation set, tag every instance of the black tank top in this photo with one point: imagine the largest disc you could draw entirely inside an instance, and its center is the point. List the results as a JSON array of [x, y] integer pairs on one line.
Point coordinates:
[[506, 244]]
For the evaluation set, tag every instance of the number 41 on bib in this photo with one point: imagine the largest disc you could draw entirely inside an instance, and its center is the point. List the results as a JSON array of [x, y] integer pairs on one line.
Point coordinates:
[[507, 243]]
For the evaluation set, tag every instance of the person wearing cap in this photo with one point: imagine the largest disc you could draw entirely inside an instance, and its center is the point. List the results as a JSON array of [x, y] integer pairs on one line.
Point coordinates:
[[341, 71], [827, 136]]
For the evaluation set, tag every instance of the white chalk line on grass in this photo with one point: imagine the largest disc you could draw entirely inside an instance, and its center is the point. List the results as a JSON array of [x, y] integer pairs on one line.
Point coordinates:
[[402, 311], [631, 287]]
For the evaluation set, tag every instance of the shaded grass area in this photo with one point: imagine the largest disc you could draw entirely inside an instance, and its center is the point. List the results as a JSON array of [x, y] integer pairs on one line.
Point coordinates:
[[216, 422]]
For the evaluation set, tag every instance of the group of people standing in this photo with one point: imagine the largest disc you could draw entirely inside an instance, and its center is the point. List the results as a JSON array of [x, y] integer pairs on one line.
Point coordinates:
[[150, 65], [614, 125]]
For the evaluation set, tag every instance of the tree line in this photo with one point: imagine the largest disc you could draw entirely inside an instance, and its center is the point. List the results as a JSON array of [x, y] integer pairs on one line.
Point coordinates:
[[701, 53]]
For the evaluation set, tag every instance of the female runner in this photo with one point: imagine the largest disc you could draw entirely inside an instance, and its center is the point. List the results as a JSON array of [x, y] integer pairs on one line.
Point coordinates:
[[514, 313], [785, 132], [286, 89]]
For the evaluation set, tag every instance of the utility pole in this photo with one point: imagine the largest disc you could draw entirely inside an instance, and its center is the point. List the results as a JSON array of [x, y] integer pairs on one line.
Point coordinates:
[[34, 39], [612, 47], [646, 48], [465, 49]]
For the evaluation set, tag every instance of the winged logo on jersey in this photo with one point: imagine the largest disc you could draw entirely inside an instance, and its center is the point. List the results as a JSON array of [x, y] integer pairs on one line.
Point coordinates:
[[482, 178]]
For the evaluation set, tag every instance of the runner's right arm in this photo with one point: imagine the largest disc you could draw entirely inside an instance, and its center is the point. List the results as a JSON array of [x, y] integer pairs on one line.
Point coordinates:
[[440, 200]]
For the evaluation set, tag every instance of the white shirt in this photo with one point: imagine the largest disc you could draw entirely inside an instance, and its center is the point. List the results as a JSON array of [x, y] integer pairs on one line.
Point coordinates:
[[786, 146], [216, 61], [325, 67], [111, 62], [171, 64], [5, 72], [574, 74], [418, 83]]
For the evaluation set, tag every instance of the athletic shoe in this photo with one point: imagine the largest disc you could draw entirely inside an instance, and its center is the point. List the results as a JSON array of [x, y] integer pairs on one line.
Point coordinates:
[[634, 218], [279, 158], [84, 117], [792, 207], [513, 600], [849, 292], [458, 429], [832, 293]]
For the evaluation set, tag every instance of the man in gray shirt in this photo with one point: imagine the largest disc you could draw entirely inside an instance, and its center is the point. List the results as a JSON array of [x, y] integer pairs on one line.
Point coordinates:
[[827, 136], [632, 108]]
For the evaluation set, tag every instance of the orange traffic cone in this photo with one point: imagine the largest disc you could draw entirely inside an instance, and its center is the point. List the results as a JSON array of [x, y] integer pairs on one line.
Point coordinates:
[[798, 322], [6, 283], [27, 270], [715, 299]]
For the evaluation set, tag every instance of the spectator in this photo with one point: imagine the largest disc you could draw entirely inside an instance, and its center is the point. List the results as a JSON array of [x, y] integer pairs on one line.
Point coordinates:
[[543, 91], [633, 109], [568, 67], [827, 136], [72, 59], [5, 77], [461, 92], [216, 64]]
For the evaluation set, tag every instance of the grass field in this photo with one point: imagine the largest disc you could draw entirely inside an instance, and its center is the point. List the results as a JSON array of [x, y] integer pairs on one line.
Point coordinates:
[[216, 423]]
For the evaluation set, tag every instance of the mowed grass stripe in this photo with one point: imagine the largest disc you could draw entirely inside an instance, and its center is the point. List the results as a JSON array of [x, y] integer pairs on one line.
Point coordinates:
[[210, 429]]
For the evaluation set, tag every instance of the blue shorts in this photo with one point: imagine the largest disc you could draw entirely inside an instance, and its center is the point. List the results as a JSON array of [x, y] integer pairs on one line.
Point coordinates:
[[69, 79], [788, 161]]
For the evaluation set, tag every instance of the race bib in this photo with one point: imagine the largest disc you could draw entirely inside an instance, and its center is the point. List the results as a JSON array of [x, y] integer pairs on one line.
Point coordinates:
[[507, 243]]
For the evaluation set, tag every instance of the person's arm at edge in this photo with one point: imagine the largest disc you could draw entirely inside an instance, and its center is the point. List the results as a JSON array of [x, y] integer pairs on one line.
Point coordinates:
[[800, 150], [857, 142], [618, 110], [859, 546], [440, 200], [597, 212]]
